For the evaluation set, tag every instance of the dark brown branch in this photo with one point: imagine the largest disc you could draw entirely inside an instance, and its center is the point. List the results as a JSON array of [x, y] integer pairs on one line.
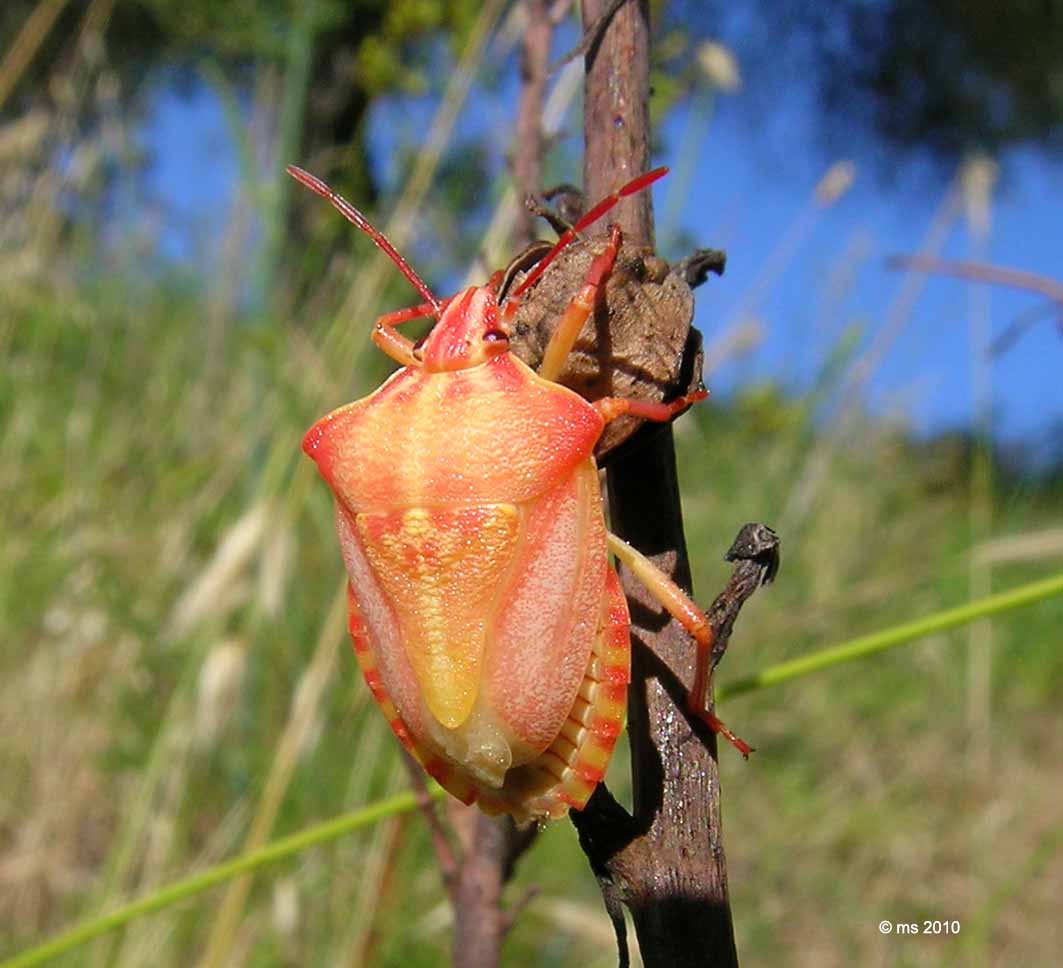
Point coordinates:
[[475, 876], [592, 33], [605, 831], [666, 862], [695, 268], [509, 916], [478, 929], [493, 845], [557, 221], [613, 840], [616, 110], [755, 552]]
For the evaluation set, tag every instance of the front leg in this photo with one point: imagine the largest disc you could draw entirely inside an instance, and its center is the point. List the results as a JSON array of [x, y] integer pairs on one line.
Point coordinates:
[[582, 305], [391, 341]]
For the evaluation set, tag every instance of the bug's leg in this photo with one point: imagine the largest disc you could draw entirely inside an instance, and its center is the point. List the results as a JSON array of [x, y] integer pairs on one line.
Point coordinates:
[[564, 336], [685, 611], [612, 407], [397, 346], [582, 305]]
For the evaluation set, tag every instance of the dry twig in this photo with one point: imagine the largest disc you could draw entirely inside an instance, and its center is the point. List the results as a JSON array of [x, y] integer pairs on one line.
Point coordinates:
[[996, 276]]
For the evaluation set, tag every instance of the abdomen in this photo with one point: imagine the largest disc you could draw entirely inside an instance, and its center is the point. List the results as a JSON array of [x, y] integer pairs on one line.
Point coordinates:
[[480, 619]]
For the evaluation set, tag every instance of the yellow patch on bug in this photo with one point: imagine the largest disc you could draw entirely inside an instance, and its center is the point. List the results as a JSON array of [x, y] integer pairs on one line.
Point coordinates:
[[442, 569]]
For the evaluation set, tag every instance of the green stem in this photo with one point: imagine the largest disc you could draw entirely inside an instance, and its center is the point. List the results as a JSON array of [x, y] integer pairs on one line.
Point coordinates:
[[213, 876], [866, 645]]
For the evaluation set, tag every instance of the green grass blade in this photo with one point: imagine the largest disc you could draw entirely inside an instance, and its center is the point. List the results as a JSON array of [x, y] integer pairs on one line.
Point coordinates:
[[213, 876], [866, 645]]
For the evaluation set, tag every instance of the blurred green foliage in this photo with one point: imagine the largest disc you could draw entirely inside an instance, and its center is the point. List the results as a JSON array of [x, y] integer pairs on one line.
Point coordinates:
[[355, 50]]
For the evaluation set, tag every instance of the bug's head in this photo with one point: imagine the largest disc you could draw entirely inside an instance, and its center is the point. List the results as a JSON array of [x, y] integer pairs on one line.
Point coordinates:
[[469, 332]]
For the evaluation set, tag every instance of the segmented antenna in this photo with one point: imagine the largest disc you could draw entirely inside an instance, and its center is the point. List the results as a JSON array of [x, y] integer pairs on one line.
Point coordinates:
[[635, 185], [349, 212]]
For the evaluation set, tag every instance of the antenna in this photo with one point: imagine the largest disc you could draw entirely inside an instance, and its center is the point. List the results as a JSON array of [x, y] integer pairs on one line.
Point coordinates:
[[349, 212], [635, 185]]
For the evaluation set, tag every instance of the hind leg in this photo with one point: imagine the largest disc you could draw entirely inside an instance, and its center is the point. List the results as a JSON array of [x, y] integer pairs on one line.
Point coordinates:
[[680, 606]]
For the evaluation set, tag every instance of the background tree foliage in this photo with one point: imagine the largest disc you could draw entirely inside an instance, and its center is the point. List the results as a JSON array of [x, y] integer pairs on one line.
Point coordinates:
[[945, 76], [358, 49]]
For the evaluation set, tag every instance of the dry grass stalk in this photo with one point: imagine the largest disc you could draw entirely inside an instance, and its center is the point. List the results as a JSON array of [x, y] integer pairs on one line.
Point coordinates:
[[25, 46], [208, 596], [290, 746], [220, 681], [1046, 543]]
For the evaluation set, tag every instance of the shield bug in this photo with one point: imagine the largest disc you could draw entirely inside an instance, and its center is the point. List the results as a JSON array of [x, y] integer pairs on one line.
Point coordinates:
[[488, 622]]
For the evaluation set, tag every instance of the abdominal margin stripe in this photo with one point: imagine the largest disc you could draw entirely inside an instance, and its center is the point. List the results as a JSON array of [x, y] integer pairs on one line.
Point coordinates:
[[586, 743]]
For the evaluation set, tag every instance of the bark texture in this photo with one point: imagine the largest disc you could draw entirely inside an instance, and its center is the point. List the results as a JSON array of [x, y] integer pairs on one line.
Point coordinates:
[[665, 862]]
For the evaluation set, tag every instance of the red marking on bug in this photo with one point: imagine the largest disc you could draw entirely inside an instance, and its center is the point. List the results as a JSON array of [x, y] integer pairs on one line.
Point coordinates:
[[591, 774], [603, 743], [312, 439], [435, 768], [617, 691], [459, 390], [605, 729], [506, 378], [398, 727], [375, 684]]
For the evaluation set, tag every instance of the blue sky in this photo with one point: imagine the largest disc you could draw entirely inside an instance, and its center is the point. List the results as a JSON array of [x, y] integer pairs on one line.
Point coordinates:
[[748, 189], [927, 372]]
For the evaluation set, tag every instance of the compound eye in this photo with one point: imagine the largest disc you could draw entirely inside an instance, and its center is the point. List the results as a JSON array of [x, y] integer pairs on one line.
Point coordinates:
[[495, 336]]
